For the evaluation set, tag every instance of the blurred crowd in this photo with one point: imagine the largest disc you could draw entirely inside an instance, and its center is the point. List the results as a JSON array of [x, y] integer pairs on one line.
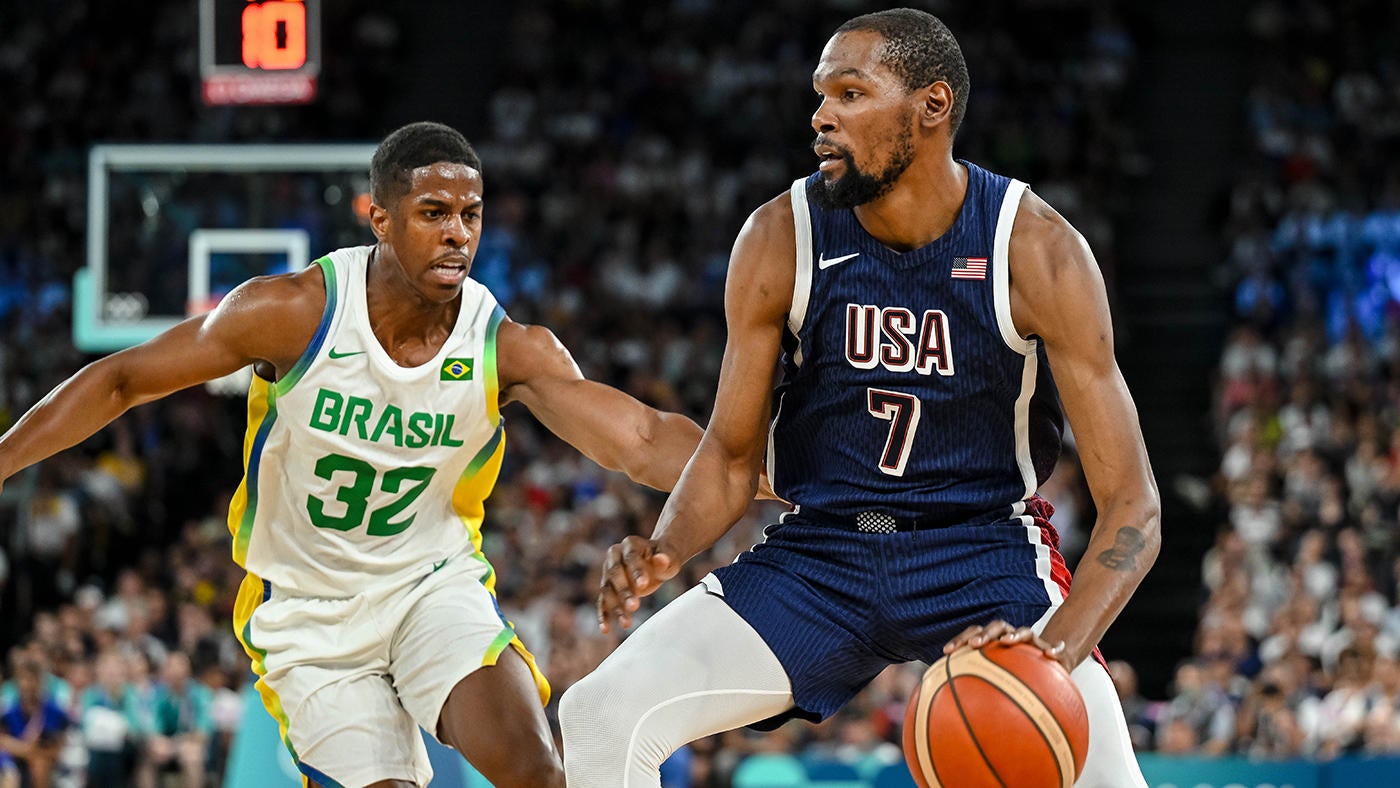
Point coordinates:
[[1299, 633], [621, 160]]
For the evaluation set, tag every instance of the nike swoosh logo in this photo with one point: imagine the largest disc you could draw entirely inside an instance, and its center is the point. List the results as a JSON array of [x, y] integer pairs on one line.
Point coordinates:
[[825, 263], [334, 354], [439, 564]]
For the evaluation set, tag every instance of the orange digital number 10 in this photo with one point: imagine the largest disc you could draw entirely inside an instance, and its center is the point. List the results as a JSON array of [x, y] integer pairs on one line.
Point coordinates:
[[261, 47]]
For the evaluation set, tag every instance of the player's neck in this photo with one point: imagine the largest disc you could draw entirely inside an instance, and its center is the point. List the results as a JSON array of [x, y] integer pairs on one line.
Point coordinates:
[[410, 327], [411, 333], [922, 206]]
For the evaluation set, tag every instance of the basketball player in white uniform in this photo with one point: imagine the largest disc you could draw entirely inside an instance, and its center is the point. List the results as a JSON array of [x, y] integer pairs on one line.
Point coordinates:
[[374, 436]]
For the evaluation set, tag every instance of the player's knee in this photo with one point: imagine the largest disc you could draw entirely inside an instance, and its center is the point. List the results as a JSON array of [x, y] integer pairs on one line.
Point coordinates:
[[529, 773], [524, 764], [597, 716], [601, 716], [582, 707]]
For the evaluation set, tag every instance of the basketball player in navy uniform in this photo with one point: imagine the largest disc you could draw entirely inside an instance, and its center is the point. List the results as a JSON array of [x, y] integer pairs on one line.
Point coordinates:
[[918, 306]]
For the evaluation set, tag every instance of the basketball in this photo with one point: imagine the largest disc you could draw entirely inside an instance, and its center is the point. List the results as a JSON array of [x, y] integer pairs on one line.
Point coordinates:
[[1002, 716]]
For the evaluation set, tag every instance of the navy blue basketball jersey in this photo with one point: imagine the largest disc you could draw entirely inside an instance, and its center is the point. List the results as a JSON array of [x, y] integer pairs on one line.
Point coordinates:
[[906, 387]]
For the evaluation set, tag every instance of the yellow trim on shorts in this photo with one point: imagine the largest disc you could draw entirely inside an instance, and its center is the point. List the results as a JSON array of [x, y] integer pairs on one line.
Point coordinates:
[[251, 593]]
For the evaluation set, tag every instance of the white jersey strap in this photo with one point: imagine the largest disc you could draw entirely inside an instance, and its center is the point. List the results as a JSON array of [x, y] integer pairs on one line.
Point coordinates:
[[802, 282], [1001, 268]]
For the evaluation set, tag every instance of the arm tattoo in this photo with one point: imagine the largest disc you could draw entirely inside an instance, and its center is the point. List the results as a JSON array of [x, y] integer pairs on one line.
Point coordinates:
[[1127, 543]]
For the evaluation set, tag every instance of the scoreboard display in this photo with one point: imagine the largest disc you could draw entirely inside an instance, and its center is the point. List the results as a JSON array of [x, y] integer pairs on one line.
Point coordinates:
[[259, 51]]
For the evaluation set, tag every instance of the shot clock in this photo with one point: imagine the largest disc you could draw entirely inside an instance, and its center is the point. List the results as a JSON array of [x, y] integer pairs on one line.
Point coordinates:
[[259, 51]]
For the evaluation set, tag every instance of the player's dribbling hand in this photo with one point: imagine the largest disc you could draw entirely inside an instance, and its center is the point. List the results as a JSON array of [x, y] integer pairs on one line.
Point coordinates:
[[634, 568], [977, 637]]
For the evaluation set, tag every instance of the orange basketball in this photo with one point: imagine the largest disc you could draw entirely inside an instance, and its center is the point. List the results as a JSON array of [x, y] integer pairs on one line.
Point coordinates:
[[999, 716]]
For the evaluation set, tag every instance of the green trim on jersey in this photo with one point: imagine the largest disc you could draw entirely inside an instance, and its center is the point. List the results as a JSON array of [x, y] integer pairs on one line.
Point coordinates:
[[485, 453], [488, 367], [319, 338]]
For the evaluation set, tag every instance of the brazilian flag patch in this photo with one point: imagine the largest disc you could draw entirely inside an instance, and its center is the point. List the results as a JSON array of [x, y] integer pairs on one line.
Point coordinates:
[[456, 369]]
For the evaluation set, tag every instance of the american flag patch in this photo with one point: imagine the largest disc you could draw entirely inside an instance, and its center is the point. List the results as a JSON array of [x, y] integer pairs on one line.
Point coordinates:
[[969, 268]]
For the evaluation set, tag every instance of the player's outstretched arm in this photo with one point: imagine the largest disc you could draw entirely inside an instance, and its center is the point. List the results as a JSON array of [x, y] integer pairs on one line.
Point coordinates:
[[720, 480], [609, 426], [262, 320], [1057, 293]]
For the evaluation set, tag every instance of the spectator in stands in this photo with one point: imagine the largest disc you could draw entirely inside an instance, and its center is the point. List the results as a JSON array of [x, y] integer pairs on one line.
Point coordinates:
[[1342, 712], [49, 522], [225, 706], [143, 694], [1177, 737], [1255, 515], [35, 652], [110, 729], [1136, 709], [1269, 725], [32, 729], [1381, 727], [1203, 708], [183, 725]]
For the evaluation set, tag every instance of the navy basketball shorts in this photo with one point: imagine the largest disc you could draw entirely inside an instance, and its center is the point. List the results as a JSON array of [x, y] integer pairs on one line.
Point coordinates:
[[837, 606]]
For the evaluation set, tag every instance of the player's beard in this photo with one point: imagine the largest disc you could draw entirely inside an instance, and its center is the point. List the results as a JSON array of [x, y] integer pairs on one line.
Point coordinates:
[[857, 187]]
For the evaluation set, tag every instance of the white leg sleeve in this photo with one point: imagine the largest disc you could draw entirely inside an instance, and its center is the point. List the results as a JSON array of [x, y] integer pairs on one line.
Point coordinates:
[[1111, 762], [694, 669]]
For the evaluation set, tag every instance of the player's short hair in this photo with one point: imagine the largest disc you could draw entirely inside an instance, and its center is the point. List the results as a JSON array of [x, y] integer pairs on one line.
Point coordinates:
[[920, 50], [410, 147]]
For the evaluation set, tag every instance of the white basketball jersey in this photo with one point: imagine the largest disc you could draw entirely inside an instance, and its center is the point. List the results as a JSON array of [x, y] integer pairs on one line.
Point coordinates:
[[358, 470]]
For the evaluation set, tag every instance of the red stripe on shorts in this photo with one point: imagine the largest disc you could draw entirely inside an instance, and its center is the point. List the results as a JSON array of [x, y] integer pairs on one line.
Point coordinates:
[[1040, 511]]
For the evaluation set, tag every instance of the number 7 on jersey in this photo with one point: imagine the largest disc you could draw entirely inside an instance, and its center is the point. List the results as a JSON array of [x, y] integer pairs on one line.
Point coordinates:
[[902, 412]]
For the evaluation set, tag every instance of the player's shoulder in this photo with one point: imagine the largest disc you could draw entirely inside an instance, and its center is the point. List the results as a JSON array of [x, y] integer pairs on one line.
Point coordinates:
[[270, 318], [299, 291], [776, 209], [1041, 236], [770, 226], [287, 305], [526, 343], [524, 336], [526, 352]]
